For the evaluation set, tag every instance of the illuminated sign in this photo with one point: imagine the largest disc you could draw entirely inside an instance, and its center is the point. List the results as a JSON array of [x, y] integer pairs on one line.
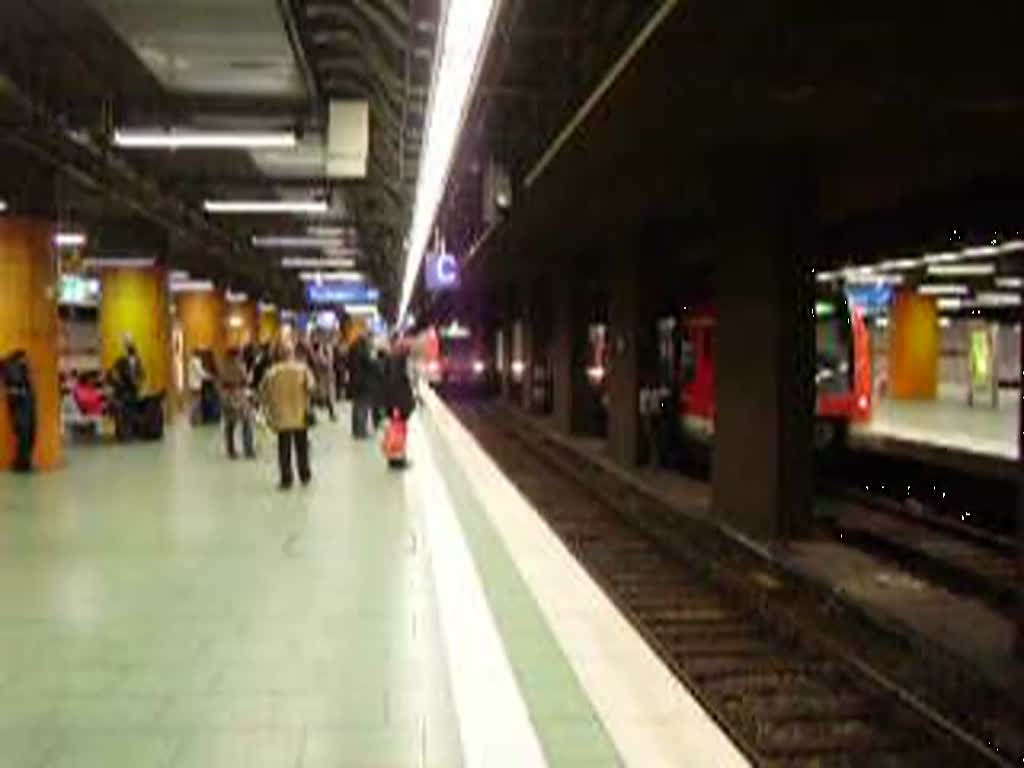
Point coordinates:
[[442, 272], [341, 293], [873, 299], [79, 291]]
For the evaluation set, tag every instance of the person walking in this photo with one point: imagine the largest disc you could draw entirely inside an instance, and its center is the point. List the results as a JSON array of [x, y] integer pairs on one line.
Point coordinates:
[[399, 403], [359, 383], [234, 383], [323, 376], [286, 391]]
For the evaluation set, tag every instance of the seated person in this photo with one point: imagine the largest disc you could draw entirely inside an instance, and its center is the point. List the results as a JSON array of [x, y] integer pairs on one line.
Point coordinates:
[[88, 396]]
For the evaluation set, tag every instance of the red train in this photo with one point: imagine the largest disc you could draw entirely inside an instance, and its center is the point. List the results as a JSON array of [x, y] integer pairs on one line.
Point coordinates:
[[842, 371]]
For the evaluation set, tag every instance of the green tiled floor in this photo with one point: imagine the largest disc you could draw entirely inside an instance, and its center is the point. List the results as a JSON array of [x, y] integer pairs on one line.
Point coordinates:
[[161, 606]]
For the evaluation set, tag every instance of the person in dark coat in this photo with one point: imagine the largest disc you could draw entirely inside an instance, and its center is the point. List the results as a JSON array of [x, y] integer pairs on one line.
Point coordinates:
[[360, 375], [126, 379], [398, 394], [21, 402]]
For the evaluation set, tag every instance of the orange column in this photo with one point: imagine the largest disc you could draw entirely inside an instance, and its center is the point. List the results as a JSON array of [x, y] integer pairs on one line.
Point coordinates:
[[135, 303], [201, 314], [913, 347], [29, 321], [242, 324], [270, 325]]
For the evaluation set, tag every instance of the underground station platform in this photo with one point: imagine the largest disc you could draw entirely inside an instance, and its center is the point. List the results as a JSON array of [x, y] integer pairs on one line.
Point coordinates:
[[159, 608], [511, 383]]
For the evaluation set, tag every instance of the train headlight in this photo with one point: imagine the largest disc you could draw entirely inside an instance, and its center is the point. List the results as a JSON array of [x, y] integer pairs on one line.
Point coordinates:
[[479, 367], [862, 402]]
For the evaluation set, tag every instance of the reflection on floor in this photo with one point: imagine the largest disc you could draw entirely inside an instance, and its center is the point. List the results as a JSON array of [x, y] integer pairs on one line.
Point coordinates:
[[949, 422], [161, 606]]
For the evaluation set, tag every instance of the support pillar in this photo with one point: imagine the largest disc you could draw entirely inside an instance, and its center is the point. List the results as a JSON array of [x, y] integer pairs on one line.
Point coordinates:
[[201, 314], [528, 319], [242, 324], [764, 351], [914, 347], [135, 304], [623, 375], [1020, 494], [562, 328], [29, 322], [269, 325]]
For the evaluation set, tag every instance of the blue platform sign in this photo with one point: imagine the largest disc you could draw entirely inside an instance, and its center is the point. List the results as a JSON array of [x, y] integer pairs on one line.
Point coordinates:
[[874, 299], [341, 293], [442, 272]]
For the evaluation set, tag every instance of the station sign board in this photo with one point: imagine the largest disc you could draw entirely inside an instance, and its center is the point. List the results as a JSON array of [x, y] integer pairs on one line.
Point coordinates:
[[442, 272], [874, 299], [336, 293]]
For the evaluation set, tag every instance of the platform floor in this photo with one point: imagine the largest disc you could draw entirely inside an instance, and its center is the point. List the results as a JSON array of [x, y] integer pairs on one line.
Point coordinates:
[[162, 606], [948, 422]]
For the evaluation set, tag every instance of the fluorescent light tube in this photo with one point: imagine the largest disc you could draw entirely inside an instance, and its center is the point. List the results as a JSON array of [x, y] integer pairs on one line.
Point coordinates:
[[186, 139], [1009, 282], [112, 262], [299, 241], [332, 277], [361, 309], [979, 251], [298, 262], [192, 286], [997, 299], [462, 40], [235, 298], [949, 303], [943, 289], [868, 278], [944, 257], [957, 270], [266, 206], [330, 231], [266, 307], [69, 239], [899, 264]]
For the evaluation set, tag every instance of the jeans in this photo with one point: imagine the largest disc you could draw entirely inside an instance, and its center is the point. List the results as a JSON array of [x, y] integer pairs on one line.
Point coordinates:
[[23, 421], [230, 422], [285, 440], [360, 416]]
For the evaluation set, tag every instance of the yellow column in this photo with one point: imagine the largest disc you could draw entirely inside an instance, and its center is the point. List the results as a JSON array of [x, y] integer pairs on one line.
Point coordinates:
[[913, 347], [29, 321], [270, 325], [201, 314], [135, 303], [242, 324]]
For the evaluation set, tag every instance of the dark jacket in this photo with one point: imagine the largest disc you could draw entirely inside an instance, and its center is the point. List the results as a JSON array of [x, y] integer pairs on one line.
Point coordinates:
[[398, 395], [360, 371]]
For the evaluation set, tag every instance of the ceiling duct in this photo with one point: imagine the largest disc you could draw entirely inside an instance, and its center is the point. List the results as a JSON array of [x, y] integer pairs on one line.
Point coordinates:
[[348, 139]]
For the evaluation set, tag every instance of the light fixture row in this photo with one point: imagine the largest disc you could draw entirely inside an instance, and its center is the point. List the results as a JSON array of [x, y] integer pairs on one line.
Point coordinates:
[[462, 41]]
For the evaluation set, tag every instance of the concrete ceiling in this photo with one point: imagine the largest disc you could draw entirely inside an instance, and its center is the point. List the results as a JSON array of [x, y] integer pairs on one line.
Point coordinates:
[[235, 47]]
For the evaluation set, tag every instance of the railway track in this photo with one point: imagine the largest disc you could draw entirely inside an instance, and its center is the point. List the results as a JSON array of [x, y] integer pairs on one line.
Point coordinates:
[[784, 694]]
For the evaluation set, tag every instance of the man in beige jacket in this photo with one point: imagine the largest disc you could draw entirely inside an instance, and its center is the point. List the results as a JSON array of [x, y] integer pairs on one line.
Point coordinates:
[[285, 393]]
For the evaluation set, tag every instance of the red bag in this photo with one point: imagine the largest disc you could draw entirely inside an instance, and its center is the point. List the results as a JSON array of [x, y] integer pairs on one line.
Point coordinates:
[[395, 440]]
